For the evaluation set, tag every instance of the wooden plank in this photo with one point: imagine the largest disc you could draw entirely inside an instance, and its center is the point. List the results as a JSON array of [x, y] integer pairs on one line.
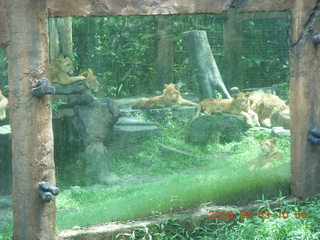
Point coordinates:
[[305, 111], [62, 8]]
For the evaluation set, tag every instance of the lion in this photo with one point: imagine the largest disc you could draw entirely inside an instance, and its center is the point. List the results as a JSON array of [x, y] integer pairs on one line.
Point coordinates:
[[271, 110], [269, 153], [239, 105], [171, 96], [91, 80], [3, 104], [63, 67]]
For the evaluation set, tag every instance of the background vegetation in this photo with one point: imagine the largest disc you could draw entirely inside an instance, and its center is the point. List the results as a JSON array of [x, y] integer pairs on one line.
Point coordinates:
[[123, 51]]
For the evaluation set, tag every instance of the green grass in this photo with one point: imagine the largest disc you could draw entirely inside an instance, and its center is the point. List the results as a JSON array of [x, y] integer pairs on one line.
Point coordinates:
[[159, 183], [179, 191]]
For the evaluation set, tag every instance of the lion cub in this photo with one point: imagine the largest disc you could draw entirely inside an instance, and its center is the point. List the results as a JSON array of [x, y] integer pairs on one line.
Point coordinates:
[[269, 153], [63, 67], [239, 105]]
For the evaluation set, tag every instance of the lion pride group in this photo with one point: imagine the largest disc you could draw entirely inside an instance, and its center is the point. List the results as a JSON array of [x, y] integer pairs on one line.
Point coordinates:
[[258, 108]]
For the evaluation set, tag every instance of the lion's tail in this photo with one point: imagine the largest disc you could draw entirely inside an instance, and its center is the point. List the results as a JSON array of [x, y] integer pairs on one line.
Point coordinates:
[[198, 110]]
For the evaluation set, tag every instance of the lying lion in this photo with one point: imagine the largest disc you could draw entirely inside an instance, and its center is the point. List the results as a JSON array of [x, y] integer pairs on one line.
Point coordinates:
[[238, 105], [3, 104], [171, 96], [269, 154], [63, 67], [91, 80], [271, 110]]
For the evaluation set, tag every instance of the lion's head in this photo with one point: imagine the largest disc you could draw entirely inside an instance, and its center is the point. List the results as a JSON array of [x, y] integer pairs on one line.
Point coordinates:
[[241, 100], [171, 92], [91, 80], [64, 65], [269, 145]]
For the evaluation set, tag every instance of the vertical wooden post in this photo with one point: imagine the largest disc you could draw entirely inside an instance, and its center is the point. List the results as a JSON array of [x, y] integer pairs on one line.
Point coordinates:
[[164, 50], [32, 137], [305, 110], [231, 58]]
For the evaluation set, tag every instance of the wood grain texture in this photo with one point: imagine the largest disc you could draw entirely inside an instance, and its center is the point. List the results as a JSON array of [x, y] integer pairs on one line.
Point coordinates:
[[32, 136], [305, 111], [62, 8]]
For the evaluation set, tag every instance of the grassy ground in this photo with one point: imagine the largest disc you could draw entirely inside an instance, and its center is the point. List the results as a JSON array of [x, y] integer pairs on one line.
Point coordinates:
[[289, 221], [154, 183]]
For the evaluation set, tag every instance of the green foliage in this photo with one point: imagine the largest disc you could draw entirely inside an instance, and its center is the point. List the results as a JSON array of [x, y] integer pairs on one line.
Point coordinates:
[[55, 104], [6, 232], [122, 51]]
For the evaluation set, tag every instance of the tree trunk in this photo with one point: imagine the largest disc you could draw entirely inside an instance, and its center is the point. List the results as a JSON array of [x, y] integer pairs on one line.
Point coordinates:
[[305, 111], [231, 53], [60, 36], [164, 50], [207, 71], [32, 137]]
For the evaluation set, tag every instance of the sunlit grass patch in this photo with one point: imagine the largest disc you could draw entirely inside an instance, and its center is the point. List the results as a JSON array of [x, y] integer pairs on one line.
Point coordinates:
[[187, 190]]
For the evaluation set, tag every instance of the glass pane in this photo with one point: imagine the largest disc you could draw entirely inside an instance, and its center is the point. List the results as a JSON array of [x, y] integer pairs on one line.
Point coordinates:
[[5, 151], [131, 140]]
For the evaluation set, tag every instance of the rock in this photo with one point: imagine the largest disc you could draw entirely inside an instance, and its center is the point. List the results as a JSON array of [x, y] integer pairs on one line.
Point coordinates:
[[216, 128], [98, 162], [94, 122], [111, 179], [280, 132], [76, 87], [71, 100], [5, 129], [163, 115], [130, 132], [63, 112], [124, 121], [5, 202]]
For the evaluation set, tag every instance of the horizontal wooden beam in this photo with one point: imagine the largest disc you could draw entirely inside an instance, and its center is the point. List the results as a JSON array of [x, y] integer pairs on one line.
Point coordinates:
[[81, 8]]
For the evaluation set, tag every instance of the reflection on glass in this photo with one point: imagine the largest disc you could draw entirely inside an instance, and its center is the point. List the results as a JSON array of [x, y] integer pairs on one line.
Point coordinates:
[[142, 120]]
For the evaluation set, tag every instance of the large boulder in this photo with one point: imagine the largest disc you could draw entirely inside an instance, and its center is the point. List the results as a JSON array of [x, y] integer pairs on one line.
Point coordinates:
[[216, 128], [95, 121], [86, 129], [128, 133], [76, 93], [99, 164], [163, 115]]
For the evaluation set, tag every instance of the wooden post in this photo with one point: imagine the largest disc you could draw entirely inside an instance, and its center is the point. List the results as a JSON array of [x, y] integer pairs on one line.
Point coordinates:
[[32, 138], [164, 50], [207, 71], [231, 54], [305, 110], [60, 36]]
